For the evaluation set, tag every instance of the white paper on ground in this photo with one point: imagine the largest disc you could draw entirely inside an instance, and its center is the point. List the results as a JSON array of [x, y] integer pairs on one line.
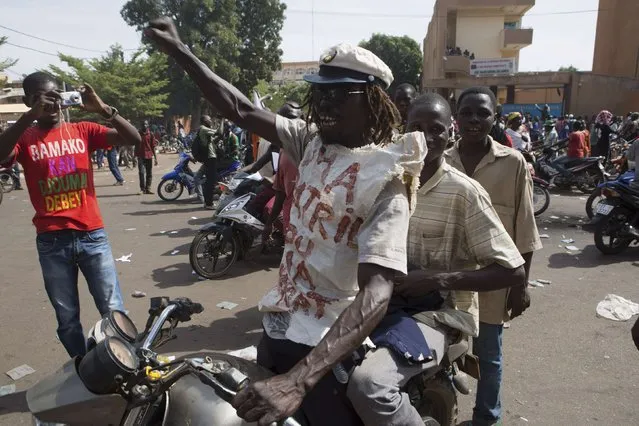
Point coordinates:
[[544, 236], [226, 305], [125, 258], [8, 389], [130, 229], [19, 372], [617, 308], [174, 252], [572, 248], [249, 354]]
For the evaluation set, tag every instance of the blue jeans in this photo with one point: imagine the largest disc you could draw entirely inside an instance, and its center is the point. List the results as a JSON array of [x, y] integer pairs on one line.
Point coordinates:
[[559, 164], [112, 158], [488, 347], [61, 254], [99, 158]]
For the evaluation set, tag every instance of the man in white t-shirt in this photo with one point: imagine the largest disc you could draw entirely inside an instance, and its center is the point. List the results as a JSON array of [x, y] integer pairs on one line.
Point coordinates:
[[346, 240], [520, 140]]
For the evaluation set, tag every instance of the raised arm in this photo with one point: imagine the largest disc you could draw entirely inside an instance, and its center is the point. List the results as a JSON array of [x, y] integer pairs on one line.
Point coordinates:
[[226, 99]]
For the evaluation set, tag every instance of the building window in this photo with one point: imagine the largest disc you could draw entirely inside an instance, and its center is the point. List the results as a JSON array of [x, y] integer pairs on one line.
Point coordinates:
[[511, 25]]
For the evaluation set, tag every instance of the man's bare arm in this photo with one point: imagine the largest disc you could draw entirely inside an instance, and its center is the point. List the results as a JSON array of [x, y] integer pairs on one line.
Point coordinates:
[[123, 133], [9, 138], [493, 277], [227, 100], [350, 330]]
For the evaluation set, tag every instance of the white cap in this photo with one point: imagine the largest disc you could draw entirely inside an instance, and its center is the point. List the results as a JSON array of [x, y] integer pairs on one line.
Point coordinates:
[[346, 63]]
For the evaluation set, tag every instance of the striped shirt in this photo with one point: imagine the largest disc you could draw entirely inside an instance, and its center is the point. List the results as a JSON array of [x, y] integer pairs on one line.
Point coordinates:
[[455, 228]]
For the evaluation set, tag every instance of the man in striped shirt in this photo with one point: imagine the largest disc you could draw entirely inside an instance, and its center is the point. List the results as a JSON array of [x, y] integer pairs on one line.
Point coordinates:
[[456, 243]]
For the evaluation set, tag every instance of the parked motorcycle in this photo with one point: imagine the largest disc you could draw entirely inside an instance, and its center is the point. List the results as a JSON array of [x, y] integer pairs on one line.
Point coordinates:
[[123, 380], [8, 179], [598, 194], [616, 218], [173, 183], [584, 173], [541, 196], [234, 231]]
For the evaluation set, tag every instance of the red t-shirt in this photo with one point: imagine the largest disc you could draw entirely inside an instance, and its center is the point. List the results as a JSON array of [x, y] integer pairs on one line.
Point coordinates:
[[59, 175], [146, 147], [285, 180], [576, 145]]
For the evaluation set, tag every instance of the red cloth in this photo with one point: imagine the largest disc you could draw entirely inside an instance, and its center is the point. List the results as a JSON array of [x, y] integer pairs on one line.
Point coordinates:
[[576, 145], [285, 180], [59, 175], [146, 147]]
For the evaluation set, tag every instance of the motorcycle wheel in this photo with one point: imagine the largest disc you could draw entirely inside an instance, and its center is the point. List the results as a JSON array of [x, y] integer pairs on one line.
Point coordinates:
[[438, 402], [592, 202], [609, 227], [589, 182], [206, 250], [170, 189], [6, 182], [541, 199]]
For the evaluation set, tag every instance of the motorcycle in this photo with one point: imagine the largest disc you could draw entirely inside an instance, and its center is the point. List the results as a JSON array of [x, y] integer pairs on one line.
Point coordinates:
[[123, 380], [172, 184], [616, 218], [8, 179], [584, 173], [541, 196], [598, 194], [234, 231]]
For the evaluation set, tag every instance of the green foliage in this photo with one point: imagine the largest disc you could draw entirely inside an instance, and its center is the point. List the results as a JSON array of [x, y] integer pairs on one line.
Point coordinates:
[[569, 68], [136, 87], [8, 62], [281, 93], [260, 24], [238, 39], [401, 54]]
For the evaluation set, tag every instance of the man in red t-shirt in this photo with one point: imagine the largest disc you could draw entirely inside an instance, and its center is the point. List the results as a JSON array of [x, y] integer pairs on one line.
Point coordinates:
[[146, 153], [56, 158], [576, 149]]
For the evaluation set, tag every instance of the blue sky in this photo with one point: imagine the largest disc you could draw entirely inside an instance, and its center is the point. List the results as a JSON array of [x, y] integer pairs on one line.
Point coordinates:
[[559, 39]]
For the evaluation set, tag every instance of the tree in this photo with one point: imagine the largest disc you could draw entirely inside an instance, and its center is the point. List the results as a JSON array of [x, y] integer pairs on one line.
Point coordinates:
[[137, 87], [239, 39], [292, 91], [207, 27], [401, 54], [260, 24], [569, 68], [5, 63]]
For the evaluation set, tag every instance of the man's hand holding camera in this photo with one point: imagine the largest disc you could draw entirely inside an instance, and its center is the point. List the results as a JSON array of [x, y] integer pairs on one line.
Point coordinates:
[[45, 103], [91, 102]]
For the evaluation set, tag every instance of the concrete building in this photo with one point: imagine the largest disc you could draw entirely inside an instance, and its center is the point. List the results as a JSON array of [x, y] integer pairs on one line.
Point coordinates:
[[11, 104], [491, 29], [294, 71], [617, 42]]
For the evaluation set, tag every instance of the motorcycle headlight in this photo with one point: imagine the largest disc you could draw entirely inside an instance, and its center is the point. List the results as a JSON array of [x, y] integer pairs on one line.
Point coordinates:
[[115, 323], [109, 364]]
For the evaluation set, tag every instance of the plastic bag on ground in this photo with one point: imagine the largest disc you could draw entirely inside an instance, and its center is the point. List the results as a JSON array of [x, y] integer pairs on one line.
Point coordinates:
[[617, 308]]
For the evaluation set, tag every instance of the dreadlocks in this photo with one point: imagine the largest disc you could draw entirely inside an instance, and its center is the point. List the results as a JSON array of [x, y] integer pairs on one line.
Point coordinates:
[[383, 116]]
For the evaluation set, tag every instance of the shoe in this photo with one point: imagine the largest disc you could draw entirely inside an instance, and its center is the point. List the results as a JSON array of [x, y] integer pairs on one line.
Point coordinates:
[[19, 188], [148, 192], [118, 183], [209, 207], [140, 192]]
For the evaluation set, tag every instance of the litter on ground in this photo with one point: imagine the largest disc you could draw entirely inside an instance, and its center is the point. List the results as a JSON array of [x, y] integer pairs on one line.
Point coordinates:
[[617, 308], [544, 236], [8, 389], [174, 252], [19, 372], [554, 217], [227, 305], [130, 229], [568, 241], [138, 294], [572, 248], [125, 258]]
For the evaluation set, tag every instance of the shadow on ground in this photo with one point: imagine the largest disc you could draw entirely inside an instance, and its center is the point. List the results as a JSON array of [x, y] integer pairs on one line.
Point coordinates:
[[590, 257], [243, 329]]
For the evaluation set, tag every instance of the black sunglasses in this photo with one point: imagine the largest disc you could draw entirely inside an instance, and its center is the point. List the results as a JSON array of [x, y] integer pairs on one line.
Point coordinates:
[[334, 94]]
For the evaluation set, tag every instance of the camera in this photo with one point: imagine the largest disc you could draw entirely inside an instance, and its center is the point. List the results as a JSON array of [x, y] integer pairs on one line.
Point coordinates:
[[70, 99]]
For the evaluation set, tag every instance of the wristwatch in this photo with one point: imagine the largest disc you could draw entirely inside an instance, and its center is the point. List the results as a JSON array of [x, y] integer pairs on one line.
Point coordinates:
[[114, 113]]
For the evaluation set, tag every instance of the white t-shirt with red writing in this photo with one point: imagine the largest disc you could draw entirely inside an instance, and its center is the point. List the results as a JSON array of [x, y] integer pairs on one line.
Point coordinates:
[[350, 206], [59, 175]]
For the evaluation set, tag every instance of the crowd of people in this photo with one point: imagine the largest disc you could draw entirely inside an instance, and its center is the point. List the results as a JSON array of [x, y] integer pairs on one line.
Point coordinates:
[[456, 51], [386, 215]]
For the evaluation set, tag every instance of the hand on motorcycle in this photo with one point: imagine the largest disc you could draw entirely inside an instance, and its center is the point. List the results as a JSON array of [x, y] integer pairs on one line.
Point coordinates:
[[518, 300], [270, 400]]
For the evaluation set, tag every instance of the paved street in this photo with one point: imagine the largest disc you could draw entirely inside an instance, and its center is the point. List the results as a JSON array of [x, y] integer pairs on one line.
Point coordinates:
[[564, 366]]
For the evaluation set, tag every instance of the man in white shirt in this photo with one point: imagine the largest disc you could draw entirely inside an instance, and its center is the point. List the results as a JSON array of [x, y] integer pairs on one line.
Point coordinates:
[[521, 141], [346, 241], [551, 136]]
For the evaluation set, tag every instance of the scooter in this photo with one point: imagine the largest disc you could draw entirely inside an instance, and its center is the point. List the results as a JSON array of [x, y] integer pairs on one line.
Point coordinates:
[[616, 219], [234, 231], [123, 380], [173, 183], [599, 193], [584, 173]]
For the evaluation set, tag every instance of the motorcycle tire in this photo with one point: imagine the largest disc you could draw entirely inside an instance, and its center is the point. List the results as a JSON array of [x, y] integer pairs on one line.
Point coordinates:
[[195, 261], [592, 202], [438, 404], [544, 195], [587, 188], [6, 182], [170, 186], [617, 245]]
